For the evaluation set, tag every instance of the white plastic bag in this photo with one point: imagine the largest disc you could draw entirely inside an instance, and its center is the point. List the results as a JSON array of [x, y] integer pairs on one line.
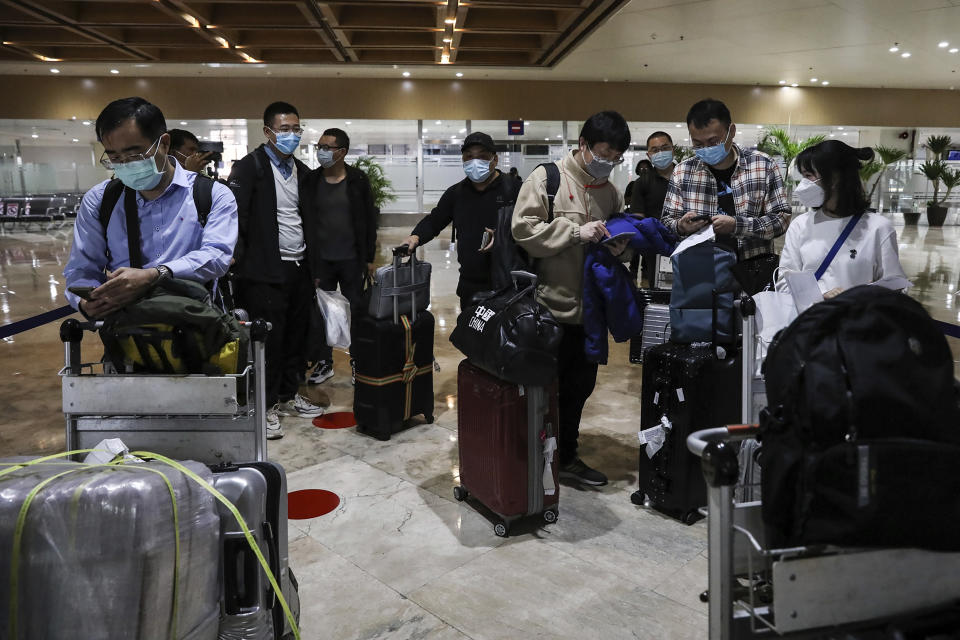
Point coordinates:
[[336, 318], [775, 310]]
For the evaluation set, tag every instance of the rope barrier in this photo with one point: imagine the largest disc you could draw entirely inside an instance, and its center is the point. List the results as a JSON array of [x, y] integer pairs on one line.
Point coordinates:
[[33, 322]]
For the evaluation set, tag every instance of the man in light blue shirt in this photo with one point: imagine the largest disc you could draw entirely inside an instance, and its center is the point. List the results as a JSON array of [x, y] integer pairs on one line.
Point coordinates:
[[173, 241]]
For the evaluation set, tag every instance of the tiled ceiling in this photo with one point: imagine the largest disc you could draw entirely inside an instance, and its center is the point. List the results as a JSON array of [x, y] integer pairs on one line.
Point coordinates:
[[532, 33]]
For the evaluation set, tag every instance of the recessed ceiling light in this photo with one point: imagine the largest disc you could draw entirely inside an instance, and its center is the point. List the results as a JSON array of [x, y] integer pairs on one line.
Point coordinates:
[[679, 125], [840, 128], [954, 50], [450, 21], [459, 74], [54, 70], [438, 122], [783, 82], [526, 123], [184, 122], [825, 82], [448, 39], [348, 122], [86, 123], [463, 130], [75, 140], [33, 135], [794, 84], [905, 54], [944, 44], [813, 79], [406, 74], [114, 71], [894, 49]]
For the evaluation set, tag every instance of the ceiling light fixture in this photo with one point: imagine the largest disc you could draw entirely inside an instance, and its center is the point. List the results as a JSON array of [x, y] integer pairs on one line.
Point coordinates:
[[46, 59], [450, 21], [114, 71], [944, 44], [447, 39], [954, 50], [783, 82], [54, 70], [248, 58], [894, 49], [459, 74], [223, 42], [794, 84], [193, 22], [445, 58], [405, 74], [825, 82], [905, 54], [813, 79]]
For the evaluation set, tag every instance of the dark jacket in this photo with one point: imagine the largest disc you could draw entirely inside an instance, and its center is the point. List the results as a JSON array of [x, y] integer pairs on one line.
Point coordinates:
[[258, 246], [610, 297], [362, 212], [470, 211]]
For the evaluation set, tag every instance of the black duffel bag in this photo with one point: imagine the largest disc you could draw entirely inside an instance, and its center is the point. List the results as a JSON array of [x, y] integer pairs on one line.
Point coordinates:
[[507, 333]]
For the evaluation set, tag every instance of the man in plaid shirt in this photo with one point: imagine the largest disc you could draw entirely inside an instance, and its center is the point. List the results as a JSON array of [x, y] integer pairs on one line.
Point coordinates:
[[739, 191]]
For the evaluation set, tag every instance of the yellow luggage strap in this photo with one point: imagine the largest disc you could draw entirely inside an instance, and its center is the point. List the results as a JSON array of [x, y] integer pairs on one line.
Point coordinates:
[[408, 373]]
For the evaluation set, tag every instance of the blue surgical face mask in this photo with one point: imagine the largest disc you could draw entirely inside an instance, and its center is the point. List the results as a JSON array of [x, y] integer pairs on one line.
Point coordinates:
[[662, 159], [287, 142], [717, 153], [140, 175], [478, 170], [325, 158]]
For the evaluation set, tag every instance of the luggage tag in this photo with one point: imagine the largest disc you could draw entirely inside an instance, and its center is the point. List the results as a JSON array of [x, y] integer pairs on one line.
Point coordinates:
[[549, 447], [655, 437], [680, 394]]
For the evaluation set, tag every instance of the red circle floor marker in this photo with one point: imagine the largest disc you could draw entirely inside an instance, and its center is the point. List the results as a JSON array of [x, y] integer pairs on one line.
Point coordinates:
[[337, 420], [311, 503]]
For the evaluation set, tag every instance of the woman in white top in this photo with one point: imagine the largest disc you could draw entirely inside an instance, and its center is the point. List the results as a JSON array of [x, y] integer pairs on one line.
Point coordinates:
[[831, 187]]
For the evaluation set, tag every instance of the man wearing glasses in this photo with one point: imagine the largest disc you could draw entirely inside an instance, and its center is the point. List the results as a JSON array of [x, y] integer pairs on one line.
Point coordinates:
[[584, 201], [157, 193], [273, 249], [339, 200], [738, 191]]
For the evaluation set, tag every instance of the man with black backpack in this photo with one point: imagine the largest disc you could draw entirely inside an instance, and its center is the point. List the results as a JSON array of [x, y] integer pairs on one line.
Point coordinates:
[[472, 205], [184, 225]]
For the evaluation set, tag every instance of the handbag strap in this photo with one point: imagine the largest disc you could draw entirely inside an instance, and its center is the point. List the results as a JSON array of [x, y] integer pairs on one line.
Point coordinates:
[[847, 230]]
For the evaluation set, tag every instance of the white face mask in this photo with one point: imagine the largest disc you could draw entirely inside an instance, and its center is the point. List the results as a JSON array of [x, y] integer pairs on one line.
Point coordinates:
[[809, 193]]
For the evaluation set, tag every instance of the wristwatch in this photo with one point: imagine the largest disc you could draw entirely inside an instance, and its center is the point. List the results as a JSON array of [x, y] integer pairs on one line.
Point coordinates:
[[164, 271]]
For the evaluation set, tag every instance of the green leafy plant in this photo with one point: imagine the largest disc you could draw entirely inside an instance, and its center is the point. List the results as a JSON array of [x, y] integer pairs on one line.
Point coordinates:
[[681, 153], [938, 171], [380, 185], [888, 156], [777, 142]]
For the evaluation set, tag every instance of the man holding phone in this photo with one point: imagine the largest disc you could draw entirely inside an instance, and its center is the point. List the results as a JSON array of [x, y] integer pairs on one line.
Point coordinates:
[[103, 274], [471, 205], [738, 191]]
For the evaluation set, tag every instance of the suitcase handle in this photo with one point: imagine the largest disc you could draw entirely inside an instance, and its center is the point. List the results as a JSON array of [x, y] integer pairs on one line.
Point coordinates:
[[524, 275]]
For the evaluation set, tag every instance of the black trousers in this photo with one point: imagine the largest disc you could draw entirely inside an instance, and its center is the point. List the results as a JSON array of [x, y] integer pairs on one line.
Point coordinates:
[[286, 306], [577, 378], [348, 275]]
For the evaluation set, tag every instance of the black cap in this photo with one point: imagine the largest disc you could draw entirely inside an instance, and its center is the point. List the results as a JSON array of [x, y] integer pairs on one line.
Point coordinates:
[[479, 138]]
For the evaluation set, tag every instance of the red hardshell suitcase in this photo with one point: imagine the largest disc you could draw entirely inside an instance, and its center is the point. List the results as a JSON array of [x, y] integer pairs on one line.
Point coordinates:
[[507, 441]]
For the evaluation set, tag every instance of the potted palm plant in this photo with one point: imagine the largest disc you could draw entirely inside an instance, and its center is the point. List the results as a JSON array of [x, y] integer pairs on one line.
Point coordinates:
[[888, 156], [380, 185], [777, 142], [938, 172]]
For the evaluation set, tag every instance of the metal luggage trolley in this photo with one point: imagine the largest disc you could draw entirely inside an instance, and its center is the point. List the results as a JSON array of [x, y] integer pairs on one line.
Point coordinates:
[[210, 419]]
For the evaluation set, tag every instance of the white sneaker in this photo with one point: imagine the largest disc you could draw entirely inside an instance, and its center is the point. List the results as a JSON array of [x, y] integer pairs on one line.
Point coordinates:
[[274, 430], [322, 372], [299, 406]]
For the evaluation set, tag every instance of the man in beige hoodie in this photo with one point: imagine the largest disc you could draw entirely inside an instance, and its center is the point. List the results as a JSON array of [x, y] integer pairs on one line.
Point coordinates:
[[584, 201]]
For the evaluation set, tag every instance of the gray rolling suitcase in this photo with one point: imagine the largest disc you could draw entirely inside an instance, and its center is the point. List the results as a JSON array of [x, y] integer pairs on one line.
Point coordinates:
[[249, 608], [97, 555], [656, 323], [399, 287]]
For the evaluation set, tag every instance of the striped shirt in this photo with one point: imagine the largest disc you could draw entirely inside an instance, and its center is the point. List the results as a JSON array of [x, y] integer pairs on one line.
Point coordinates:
[[762, 210]]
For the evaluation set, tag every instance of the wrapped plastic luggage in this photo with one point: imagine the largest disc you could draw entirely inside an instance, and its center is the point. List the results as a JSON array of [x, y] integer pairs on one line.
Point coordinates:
[[125, 551]]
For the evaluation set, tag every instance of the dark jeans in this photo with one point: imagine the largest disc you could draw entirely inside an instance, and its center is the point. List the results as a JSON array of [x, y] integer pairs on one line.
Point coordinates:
[[287, 307], [348, 274], [577, 378]]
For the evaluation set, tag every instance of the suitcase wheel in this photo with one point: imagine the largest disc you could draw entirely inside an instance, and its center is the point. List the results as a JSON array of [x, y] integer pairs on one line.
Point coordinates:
[[638, 498], [460, 494], [429, 418], [705, 596], [500, 529], [550, 516], [691, 517]]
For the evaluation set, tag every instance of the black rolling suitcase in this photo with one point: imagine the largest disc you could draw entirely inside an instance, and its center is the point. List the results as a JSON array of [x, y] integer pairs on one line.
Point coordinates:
[[393, 362], [694, 390]]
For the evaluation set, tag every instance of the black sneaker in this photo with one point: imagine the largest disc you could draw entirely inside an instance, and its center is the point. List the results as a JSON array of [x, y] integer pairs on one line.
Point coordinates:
[[578, 470], [322, 372]]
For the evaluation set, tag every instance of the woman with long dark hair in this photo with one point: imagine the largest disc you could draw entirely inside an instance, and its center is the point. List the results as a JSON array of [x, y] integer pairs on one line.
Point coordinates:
[[832, 189]]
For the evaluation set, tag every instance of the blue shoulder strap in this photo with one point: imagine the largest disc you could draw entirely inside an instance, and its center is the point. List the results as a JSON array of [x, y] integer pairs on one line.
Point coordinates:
[[847, 230]]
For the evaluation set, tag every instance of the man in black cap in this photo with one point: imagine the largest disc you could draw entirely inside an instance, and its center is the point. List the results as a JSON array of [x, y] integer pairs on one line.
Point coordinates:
[[472, 206]]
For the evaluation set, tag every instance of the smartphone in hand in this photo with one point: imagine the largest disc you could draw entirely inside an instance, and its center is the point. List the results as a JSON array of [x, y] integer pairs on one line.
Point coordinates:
[[484, 240], [83, 292], [704, 217]]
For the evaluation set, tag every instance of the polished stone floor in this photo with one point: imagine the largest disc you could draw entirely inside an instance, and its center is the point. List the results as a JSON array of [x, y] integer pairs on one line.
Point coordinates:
[[400, 558]]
